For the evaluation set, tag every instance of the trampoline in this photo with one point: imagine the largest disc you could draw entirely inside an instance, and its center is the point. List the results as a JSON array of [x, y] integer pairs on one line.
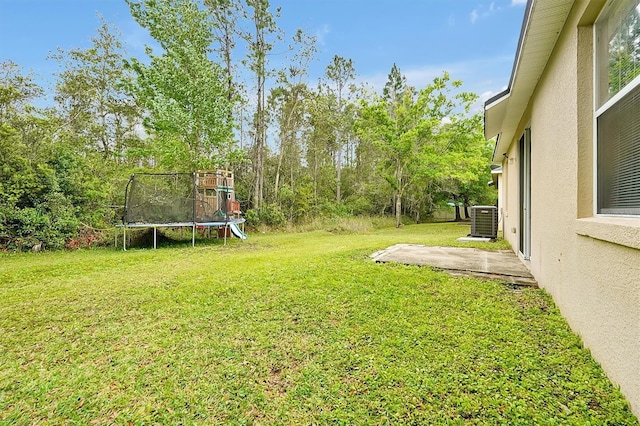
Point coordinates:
[[202, 199]]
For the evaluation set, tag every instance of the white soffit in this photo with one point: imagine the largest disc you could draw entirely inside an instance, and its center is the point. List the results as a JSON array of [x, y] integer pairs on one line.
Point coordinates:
[[540, 30]]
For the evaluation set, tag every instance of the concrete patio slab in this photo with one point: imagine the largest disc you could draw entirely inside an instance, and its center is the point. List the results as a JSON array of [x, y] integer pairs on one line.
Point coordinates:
[[502, 265]]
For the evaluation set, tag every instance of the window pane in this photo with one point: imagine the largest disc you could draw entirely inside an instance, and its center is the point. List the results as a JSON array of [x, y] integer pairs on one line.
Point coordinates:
[[618, 47], [619, 157]]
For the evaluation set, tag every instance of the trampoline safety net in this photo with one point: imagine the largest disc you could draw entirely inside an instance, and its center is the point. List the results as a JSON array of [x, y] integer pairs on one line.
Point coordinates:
[[178, 198]]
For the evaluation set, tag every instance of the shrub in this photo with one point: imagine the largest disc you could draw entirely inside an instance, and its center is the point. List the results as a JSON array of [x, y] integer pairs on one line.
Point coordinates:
[[270, 215], [45, 195], [334, 209], [359, 205]]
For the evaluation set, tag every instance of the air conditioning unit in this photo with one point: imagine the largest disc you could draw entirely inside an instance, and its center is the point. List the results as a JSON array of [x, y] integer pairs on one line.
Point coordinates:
[[484, 221]]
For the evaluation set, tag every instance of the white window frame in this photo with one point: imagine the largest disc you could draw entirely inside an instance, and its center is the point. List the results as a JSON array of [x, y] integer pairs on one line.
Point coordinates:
[[600, 110]]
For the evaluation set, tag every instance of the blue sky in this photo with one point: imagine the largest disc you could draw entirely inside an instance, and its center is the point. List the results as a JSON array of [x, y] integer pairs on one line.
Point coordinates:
[[475, 40]]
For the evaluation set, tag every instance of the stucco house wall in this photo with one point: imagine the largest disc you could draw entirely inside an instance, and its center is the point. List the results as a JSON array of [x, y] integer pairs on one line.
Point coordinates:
[[589, 264]]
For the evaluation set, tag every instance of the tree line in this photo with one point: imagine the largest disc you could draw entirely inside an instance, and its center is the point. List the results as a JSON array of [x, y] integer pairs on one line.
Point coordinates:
[[299, 149]]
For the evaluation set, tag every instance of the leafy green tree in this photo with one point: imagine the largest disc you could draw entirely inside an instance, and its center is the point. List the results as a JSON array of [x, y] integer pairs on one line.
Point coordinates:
[[319, 140], [288, 102], [394, 89], [225, 15], [47, 188], [467, 165], [287, 106], [260, 43], [411, 130], [185, 93], [340, 74], [16, 91], [96, 110]]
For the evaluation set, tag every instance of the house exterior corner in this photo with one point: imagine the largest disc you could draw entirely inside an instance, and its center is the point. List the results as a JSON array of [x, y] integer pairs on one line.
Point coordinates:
[[547, 145]]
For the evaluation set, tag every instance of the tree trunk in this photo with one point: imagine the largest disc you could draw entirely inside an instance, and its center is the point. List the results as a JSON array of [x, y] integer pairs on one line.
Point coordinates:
[[262, 21], [398, 193], [458, 218], [277, 182], [398, 209], [228, 47], [339, 175], [259, 145]]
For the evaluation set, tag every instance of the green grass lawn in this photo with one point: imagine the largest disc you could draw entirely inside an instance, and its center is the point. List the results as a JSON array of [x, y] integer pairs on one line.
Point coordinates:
[[286, 329]]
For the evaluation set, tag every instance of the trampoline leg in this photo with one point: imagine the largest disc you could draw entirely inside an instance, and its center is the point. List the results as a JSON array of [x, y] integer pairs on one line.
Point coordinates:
[[124, 238], [154, 237], [193, 236]]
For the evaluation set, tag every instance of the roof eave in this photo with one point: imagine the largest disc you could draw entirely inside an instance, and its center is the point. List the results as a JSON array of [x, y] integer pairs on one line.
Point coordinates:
[[543, 21], [494, 116]]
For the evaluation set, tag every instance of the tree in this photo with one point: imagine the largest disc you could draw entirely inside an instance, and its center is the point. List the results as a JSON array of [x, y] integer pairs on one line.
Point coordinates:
[[318, 141], [95, 109], [259, 46], [289, 100], [47, 188], [466, 163], [17, 113], [394, 92], [185, 92], [225, 17], [225, 21], [412, 132], [16, 91], [339, 73], [394, 89]]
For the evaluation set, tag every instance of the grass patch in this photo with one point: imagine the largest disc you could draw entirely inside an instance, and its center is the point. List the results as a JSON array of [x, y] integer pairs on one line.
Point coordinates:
[[286, 329]]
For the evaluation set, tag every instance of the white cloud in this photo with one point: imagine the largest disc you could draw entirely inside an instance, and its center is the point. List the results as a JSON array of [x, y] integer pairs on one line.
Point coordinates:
[[474, 16], [484, 12], [518, 2], [321, 33]]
